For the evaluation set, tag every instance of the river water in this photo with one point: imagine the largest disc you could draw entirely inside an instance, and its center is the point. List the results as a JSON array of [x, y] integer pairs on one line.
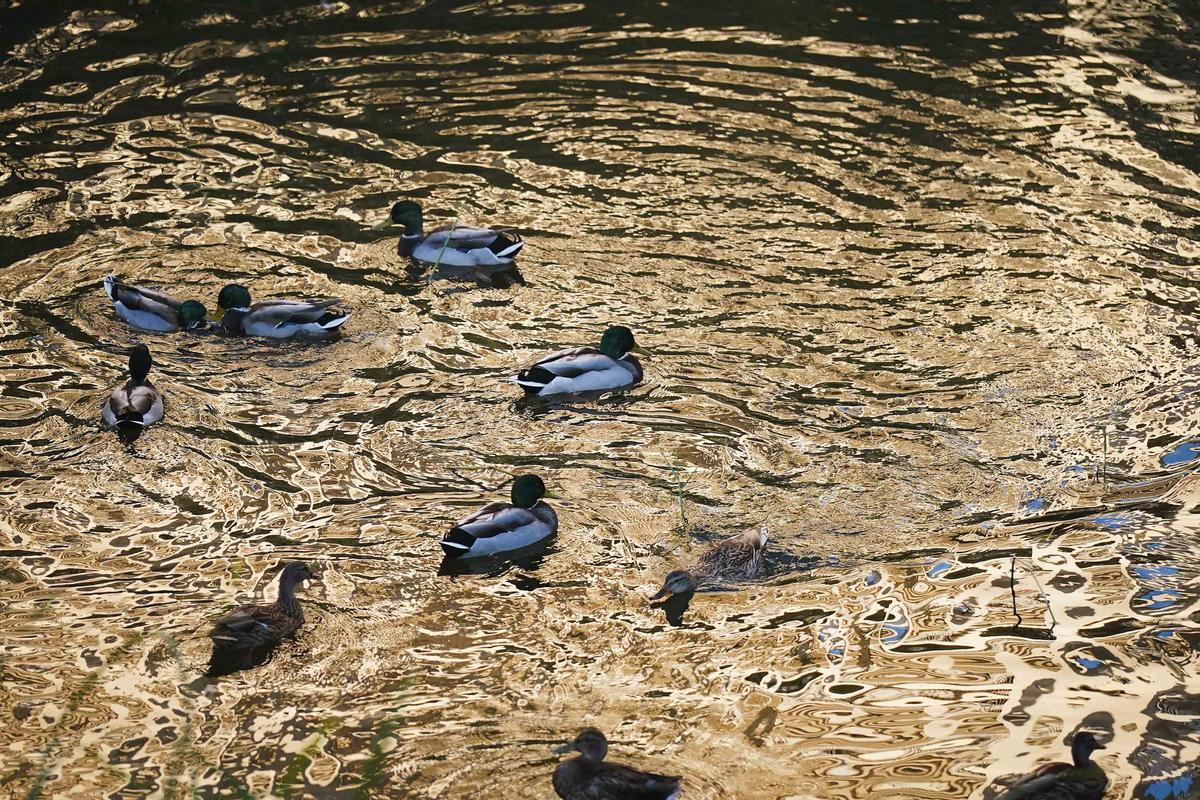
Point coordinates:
[[917, 284]]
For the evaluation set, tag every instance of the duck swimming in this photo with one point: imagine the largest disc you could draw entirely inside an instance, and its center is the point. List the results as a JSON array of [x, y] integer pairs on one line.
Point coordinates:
[[245, 637], [590, 777], [152, 310], [735, 558], [504, 526], [452, 246], [585, 369], [1081, 780], [135, 403], [278, 319]]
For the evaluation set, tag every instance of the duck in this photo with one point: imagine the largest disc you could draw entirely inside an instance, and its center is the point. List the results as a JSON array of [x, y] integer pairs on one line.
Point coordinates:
[[278, 319], [135, 403], [452, 245], [585, 369], [152, 310], [1083, 779], [498, 527], [736, 558], [246, 635], [590, 777]]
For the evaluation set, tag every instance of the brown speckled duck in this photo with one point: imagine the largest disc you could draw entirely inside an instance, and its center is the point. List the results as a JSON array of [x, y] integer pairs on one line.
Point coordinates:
[[245, 637], [1081, 780], [735, 558], [590, 777]]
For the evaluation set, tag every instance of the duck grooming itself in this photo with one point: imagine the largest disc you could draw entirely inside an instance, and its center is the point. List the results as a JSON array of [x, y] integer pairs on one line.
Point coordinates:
[[585, 369], [504, 526], [135, 403], [736, 558], [278, 319], [1081, 780], [590, 777], [247, 635], [151, 310], [453, 246]]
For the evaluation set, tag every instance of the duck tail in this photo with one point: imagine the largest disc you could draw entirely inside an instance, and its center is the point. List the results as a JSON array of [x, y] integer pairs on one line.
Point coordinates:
[[110, 287], [762, 535], [457, 543], [506, 244], [335, 321], [534, 379]]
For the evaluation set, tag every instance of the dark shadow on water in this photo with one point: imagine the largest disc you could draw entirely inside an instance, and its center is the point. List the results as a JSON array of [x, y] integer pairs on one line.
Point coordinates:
[[674, 607], [228, 661]]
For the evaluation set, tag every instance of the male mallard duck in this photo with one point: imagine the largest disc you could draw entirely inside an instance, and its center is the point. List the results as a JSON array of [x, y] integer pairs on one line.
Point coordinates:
[[277, 319], [1081, 780], [585, 369], [453, 246], [590, 777], [152, 310], [737, 557], [136, 402], [504, 526], [248, 633]]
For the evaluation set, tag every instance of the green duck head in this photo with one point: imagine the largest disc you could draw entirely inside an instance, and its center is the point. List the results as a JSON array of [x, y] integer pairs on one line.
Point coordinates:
[[139, 363], [590, 742], [1082, 747], [408, 214], [527, 490], [617, 341], [234, 296], [678, 582], [192, 314]]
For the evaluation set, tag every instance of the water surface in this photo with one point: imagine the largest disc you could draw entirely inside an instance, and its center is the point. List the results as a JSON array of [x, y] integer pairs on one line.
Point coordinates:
[[898, 266]]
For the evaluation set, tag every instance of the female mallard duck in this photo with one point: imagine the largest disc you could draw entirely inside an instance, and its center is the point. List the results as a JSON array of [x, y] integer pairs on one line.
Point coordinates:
[[585, 369], [278, 319], [246, 635], [1081, 780], [590, 777], [453, 246], [136, 402], [152, 310], [504, 526], [733, 559]]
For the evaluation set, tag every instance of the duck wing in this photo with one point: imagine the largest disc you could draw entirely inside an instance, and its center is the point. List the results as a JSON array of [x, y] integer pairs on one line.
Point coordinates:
[[252, 626], [495, 519], [135, 402], [617, 780], [291, 312], [569, 363], [1050, 782], [464, 238], [141, 298]]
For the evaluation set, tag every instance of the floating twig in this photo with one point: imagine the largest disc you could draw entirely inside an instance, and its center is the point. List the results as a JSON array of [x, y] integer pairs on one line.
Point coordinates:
[[1012, 587]]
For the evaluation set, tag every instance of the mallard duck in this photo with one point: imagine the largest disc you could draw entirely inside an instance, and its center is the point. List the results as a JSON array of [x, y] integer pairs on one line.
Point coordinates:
[[733, 559], [585, 369], [152, 310], [248, 633], [504, 526], [278, 319], [1081, 780], [452, 245], [590, 777], [136, 402]]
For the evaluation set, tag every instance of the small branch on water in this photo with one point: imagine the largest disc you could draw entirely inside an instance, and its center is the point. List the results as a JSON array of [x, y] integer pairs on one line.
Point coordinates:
[[1012, 587], [1104, 469]]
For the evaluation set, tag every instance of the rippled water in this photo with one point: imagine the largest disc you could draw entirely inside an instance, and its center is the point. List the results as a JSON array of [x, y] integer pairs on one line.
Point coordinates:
[[897, 265]]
